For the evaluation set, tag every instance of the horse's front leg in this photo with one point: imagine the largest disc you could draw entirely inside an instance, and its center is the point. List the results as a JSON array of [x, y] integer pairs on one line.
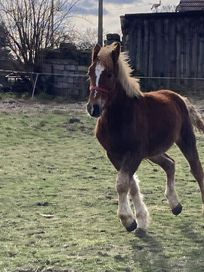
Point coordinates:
[[124, 211], [126, 183]]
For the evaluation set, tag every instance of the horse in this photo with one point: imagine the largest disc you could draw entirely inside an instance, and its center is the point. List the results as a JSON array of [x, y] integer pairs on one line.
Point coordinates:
[[133, 126]]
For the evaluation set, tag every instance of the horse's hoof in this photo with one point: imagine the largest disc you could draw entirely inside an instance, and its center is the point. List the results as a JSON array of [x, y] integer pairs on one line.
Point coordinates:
[[177, 209], [140, 233], [132, 227]]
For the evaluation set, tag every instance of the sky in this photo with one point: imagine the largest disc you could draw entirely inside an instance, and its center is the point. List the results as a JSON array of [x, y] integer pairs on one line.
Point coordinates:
[[85, 12]]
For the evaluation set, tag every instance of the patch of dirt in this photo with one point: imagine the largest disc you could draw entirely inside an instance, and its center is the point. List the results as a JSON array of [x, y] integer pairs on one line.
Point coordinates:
[[26, 106], [33, 106]]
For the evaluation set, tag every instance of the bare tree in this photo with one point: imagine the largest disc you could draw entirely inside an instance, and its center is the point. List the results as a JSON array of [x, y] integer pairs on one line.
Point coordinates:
[[33, 25], [6, 59], [86, 40]]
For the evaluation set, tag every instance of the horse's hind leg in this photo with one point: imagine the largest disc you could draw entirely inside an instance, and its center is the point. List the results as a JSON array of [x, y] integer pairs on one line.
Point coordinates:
[[142, 214], [187, 144], [168, 166]]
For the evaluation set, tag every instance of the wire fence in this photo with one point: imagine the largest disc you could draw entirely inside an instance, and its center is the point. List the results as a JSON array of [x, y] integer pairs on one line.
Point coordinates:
[[9, 79], [184, 85]]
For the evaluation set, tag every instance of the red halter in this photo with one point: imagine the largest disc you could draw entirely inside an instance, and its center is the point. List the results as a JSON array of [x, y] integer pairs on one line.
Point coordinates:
[[99, 89]]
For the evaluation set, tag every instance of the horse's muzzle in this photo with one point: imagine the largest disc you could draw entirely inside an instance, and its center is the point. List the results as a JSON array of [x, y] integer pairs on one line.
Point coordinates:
[[94, 110]]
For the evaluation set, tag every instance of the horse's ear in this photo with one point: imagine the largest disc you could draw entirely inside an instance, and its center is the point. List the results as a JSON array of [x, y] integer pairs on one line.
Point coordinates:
[[95, 51], [116, 51]]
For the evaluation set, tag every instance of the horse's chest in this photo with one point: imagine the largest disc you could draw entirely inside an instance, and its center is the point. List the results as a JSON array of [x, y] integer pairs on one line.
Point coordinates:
[[116, 134]]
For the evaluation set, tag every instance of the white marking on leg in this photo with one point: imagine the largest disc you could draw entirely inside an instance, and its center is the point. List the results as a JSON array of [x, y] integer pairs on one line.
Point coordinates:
[[98, 71], [171, 194], [124, 210], [142, 214]]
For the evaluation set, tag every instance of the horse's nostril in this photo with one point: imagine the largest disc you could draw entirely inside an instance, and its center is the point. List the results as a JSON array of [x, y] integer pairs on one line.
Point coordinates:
[[94, 110]]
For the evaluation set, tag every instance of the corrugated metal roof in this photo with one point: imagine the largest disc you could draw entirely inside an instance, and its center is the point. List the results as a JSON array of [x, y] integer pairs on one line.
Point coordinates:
[[188, 5]]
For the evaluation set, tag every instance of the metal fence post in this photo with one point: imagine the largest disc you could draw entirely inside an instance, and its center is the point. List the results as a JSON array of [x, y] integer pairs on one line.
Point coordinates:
[[34, 86]]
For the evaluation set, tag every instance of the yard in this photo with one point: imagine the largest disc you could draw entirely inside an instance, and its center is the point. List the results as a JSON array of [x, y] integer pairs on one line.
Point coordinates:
[[58, 201]]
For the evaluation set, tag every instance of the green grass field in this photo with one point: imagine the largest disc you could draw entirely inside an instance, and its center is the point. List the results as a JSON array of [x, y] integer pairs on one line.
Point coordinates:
[[58, 201]]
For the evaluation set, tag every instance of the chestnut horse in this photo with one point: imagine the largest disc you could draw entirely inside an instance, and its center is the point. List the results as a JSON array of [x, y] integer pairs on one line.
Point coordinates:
[[133, 126]]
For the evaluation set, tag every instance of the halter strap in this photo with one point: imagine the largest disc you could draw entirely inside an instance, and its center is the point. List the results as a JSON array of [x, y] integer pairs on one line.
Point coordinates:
[[99, 89]]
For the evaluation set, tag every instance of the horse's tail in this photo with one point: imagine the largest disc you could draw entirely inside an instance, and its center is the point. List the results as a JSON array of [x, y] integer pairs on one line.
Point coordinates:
[[195, 116]]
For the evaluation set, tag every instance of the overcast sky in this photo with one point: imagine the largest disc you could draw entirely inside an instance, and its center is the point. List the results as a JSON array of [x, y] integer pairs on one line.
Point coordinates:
[[85, 13]]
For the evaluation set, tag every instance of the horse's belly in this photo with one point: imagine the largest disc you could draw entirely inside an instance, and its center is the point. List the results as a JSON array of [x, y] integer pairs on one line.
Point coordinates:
[[160, 142]]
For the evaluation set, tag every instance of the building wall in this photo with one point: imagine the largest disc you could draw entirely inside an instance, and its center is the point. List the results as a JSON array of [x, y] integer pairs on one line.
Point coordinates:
[[166, 45], [189, 5], [65, 72]]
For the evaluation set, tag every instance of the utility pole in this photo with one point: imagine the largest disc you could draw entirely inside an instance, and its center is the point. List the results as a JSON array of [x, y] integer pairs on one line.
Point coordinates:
[[52, 24], [100, 22]]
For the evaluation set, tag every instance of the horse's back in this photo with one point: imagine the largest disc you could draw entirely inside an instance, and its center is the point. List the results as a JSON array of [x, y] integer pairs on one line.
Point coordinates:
[[164, 97], [166, 102]]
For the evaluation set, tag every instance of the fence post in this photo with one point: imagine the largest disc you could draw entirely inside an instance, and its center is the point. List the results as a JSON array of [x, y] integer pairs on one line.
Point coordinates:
[[34, 85]]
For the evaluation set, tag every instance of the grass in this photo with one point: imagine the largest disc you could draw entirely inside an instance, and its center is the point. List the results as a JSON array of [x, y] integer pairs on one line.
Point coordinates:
[[58, 201]]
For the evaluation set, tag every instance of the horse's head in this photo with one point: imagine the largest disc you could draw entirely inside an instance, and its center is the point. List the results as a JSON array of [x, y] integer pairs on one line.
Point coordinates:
[[102, 72]]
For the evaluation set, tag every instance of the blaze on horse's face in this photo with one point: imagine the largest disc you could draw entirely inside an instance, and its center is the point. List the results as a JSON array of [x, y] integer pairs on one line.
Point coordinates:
[[102, 73]]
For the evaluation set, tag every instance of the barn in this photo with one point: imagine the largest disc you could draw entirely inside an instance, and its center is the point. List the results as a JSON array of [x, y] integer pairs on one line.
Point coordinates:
[[167, 49], [189, 5]]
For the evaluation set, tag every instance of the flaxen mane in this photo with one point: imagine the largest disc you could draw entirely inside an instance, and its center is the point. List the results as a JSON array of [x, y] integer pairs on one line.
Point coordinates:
[[130, 84]]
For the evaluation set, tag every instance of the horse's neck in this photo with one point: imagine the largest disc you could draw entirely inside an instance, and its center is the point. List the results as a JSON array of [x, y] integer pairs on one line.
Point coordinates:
[[120, 96], [120, 101]]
